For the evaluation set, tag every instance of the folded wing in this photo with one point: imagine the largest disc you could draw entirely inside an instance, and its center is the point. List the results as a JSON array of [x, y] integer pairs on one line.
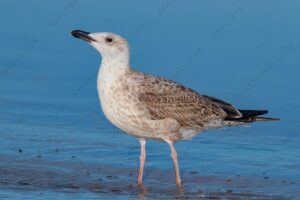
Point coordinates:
[[168, 99]]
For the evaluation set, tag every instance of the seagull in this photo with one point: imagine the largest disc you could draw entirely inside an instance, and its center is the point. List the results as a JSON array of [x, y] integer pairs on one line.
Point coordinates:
[[151, 107]]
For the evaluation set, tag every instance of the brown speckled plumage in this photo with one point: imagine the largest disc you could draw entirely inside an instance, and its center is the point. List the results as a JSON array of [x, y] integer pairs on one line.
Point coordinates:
[[168, 99], [148, 98]]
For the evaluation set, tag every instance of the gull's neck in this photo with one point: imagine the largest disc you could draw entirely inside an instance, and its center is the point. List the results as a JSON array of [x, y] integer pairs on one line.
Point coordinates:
[[113, 67], [121, 62]]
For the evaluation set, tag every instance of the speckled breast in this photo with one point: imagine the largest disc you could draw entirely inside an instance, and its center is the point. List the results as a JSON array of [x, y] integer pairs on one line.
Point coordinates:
[[122, 107]]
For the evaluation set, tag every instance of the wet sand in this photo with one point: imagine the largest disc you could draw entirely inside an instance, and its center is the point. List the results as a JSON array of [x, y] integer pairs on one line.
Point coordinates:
[[67, 176]]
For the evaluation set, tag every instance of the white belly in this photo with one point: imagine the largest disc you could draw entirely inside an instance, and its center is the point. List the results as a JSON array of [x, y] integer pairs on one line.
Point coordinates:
[[120, 106]]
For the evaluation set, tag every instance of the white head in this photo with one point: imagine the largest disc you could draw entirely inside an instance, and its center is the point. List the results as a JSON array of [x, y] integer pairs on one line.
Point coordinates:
[[112, 47]]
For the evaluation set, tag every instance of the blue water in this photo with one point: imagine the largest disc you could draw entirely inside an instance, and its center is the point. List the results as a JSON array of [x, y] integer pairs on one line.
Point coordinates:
[[56, 142]]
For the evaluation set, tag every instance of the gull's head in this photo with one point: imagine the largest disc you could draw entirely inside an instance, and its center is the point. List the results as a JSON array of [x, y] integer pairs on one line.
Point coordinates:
[[109, 45]]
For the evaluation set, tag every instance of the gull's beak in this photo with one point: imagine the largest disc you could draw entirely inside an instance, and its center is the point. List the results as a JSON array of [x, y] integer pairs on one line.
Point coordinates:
[[83, 35]]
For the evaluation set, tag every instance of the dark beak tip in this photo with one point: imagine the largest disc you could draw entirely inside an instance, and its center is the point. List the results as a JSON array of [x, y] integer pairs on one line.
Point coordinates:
[[75, 33], [82, 35]]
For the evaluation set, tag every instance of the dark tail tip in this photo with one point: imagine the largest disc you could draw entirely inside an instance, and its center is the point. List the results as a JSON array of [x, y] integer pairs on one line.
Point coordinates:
[[252, 113]]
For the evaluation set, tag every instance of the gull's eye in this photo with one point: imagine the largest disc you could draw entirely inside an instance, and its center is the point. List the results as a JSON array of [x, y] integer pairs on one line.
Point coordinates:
[[108, 39]]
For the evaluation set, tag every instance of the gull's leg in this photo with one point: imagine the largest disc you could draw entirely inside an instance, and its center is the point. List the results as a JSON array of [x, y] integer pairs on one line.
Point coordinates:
[[142, 161], [175, 161]]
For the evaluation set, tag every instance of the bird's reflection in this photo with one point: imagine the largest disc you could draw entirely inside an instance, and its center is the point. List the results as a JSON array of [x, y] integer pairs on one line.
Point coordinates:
[[143, 191]]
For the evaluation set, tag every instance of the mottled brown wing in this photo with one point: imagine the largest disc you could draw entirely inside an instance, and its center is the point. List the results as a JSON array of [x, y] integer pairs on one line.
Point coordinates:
[[230, 110], [182, 104]]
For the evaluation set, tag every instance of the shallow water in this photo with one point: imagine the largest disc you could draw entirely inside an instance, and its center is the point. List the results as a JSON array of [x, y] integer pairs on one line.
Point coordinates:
[[55, 141]]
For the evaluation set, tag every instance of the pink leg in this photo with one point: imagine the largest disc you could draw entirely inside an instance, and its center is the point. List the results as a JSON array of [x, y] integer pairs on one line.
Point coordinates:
[[142, 161], [175, 161]]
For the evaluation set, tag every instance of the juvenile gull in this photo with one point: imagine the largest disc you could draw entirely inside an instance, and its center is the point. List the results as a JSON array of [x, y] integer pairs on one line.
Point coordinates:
[[150, 107]]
